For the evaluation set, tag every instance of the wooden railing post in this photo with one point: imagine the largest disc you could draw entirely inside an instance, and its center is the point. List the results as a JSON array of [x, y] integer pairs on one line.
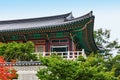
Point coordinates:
[[73, 55], [43, 53], [68, 55], [83, 53]]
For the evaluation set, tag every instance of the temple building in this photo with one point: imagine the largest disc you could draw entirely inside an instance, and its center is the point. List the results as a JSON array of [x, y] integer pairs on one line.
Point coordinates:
[[59, 33]]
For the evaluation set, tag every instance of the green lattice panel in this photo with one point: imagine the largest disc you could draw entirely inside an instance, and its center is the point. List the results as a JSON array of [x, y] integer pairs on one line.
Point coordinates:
[[36, 36], [15, 37], [59, 35], [80, 38]]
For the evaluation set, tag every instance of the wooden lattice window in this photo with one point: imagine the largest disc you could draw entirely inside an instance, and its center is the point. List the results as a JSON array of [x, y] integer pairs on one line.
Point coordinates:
[[59, 41]]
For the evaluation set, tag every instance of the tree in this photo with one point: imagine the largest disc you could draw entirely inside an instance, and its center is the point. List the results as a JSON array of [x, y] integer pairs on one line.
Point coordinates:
[[6, 72], [116, 65], [18, 51], [113, 64], [92, 68], [102, 39]]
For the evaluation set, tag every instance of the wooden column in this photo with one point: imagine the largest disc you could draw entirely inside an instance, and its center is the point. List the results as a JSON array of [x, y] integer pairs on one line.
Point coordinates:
[[70, 45], [47, 46], [71, 42]]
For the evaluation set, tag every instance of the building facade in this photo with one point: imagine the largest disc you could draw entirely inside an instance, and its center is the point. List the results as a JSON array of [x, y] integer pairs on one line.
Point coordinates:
[[60, 33]]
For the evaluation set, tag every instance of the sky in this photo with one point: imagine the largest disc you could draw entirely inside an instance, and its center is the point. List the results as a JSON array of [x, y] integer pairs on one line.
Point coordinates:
[[107, 12]]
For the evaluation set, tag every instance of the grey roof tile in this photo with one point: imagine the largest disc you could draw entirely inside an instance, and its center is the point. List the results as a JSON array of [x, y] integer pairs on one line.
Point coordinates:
[[43, 22]]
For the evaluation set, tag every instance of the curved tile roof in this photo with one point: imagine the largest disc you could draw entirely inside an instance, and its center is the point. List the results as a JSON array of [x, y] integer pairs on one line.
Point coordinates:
[[24, 24], [22, 63], [33, 22]]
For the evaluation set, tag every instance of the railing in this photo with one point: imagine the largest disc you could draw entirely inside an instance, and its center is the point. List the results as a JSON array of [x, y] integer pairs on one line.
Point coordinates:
[[22, 63], [67, 55]]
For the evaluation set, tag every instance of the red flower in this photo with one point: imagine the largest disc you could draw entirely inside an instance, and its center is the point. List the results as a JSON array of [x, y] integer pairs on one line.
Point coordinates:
[[6, 72]]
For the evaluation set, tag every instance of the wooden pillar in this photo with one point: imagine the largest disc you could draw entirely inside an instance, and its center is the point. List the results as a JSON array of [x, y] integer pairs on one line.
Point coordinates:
[[71, 42], [70, 45], [47, 46]]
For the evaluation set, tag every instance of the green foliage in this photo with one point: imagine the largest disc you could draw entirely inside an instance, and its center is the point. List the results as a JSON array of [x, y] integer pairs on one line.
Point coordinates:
[[113, 64], [92, 68], [58, 69], [102, 39], [18, 51]]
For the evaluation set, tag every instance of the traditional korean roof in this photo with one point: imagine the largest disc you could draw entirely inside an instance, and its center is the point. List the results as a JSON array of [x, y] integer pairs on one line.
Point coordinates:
[[24, 24], [80, 29]]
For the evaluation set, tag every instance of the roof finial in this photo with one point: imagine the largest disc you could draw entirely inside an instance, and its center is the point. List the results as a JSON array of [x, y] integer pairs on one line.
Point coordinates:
[[70, 16], [90, 14]]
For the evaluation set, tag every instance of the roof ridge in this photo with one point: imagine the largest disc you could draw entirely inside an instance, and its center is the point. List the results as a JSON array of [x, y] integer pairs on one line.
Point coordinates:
[[35, 19], [84, 16]]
